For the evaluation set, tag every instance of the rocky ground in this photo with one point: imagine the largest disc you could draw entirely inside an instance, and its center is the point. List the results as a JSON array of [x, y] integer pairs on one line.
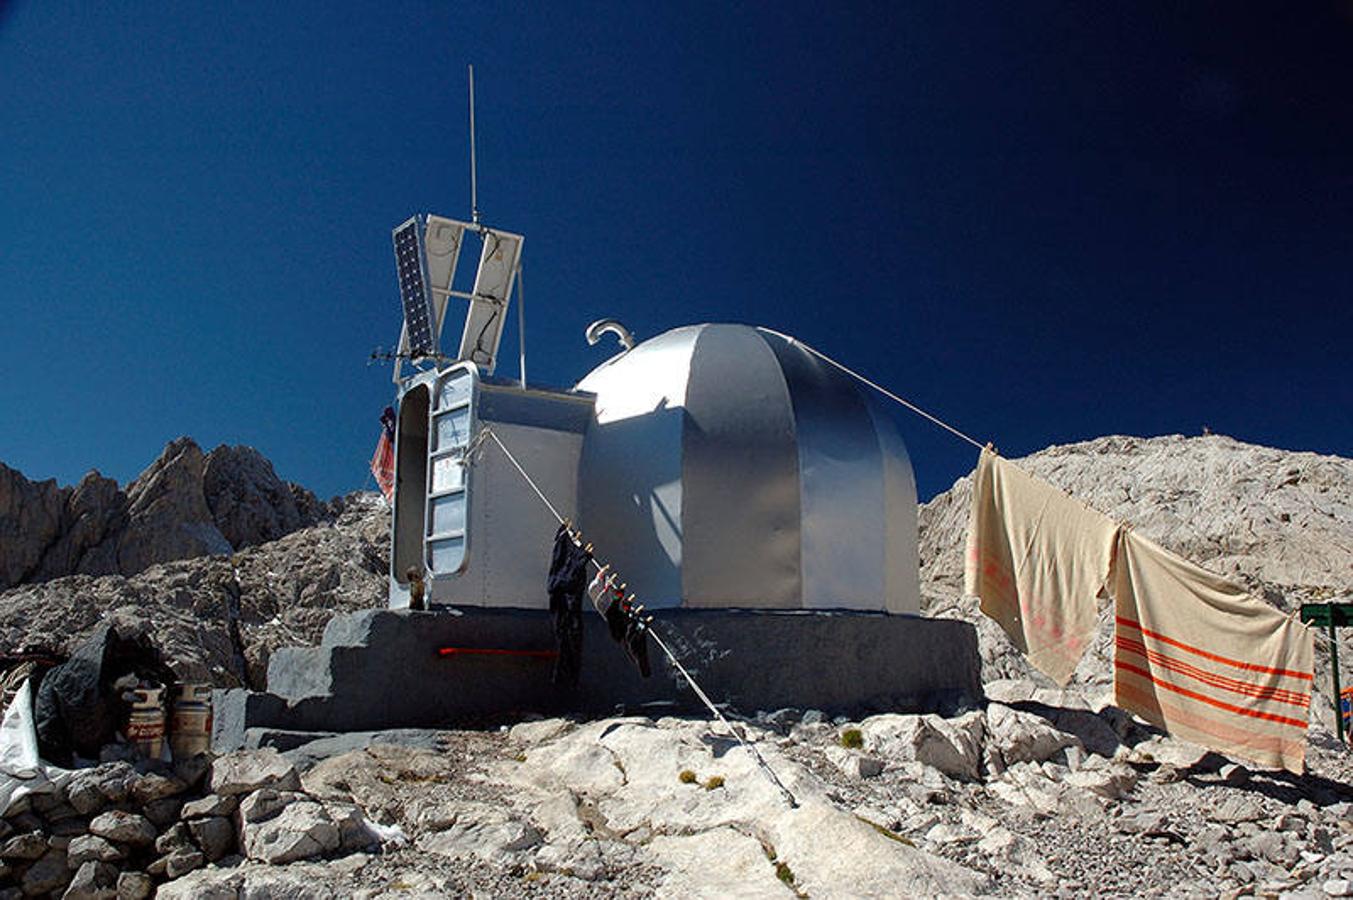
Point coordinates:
[[1042, 792]]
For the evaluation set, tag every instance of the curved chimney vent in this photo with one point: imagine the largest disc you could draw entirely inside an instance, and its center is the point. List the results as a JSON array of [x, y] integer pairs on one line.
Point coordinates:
[[611, 326]]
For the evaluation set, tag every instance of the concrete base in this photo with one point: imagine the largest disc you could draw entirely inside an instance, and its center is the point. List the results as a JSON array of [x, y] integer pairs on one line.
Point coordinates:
[[381, 669]]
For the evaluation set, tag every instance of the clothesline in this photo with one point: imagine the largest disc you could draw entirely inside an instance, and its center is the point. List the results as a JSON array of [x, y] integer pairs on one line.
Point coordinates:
[[662, 645], [882, 390]]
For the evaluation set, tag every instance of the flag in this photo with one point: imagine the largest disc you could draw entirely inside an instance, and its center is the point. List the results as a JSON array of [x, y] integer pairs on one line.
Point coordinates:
[[383, 460]]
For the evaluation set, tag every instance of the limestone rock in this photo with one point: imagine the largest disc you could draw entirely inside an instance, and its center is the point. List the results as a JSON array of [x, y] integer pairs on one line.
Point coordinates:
[[134, 886], [853, 763], [163, 812], [248, 502], [150, 787], [181, 862], [215, 835], [91, 847], [168, 514], [1024, 737], [30, 520], [210, 805], [1112, 781], [1237, 808], [481, 831], [265, 803], [24, 846], [249, 770], [124, 828], [303, 830], [48, 875], [176, 838], [953, 746], [93, 881]]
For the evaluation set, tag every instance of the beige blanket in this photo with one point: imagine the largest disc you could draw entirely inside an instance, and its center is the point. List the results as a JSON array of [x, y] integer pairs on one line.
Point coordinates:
[[1036, 558], [1201, 658]]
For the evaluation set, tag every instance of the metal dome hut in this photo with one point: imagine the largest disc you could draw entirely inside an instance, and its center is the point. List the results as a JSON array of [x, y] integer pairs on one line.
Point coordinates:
[[753, 497]]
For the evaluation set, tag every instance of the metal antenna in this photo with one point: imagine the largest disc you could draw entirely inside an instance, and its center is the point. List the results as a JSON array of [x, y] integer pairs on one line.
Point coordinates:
[[474, 180], [521, 325]]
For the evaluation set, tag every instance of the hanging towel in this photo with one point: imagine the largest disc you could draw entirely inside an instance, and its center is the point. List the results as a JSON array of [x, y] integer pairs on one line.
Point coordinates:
[[566, 583], [383, 460], [1201, 658], [1036, 558]]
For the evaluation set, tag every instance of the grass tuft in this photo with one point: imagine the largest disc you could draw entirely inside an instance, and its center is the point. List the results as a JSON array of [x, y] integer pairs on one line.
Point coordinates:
[[784, 873], [852, 739], [687, 777], [714, 781]]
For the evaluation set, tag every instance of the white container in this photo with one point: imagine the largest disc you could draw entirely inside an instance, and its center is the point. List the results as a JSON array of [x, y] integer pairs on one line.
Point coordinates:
[[190, 727]]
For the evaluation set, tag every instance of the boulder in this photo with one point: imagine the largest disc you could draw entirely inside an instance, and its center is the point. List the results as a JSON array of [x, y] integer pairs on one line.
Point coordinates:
[[1017, 736], [181, 862], [24, 846], [263, 804], [94, 880], [953, 746], [215, 835], [482, 831], [249, 770], [163, 812], [210, 805], [134, 886], [91, 848], [176, 838], [150, 787], [49, 875], [1112, 781], [303, 830], [123, 827]]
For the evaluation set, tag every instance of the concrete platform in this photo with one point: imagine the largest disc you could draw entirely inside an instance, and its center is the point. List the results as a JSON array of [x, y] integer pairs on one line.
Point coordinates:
[[380, 669]]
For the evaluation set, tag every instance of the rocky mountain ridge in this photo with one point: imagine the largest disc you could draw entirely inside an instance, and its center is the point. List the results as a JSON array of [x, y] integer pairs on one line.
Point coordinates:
[[185, 504]]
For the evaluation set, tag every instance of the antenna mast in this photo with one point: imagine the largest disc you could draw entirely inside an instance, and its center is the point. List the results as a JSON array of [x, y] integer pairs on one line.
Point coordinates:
[[474, 180]]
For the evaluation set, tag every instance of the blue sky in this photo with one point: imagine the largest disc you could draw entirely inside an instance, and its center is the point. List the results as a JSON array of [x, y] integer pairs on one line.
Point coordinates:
[[1045, 222]]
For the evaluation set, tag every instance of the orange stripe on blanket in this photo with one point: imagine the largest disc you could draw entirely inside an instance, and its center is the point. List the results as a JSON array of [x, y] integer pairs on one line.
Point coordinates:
[[1257, 691], [1203, 698], [1180, 722], [1215, 657]]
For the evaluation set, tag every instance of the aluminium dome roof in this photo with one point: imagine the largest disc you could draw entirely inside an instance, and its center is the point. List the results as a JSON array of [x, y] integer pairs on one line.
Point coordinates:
[[725, 466]]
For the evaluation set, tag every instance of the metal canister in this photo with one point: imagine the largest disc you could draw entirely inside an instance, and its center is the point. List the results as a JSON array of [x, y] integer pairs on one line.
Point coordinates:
[[190, 728], [145, 728]]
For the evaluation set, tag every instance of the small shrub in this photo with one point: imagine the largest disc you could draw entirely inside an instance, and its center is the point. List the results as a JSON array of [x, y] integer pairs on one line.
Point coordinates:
[[686, 777], [714, 781], [784, 873], [852, 739]]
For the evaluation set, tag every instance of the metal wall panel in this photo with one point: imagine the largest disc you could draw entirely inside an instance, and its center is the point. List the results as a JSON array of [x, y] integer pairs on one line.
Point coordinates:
[[840, 468], [740, 477]]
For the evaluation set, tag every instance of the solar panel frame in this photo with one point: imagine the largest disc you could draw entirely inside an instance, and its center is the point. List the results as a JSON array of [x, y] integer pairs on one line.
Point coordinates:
[[411, 270], [492, 294]]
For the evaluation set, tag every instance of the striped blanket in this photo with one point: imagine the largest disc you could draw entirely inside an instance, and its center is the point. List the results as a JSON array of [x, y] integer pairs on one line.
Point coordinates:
[[1193, 653], [1201, 658]]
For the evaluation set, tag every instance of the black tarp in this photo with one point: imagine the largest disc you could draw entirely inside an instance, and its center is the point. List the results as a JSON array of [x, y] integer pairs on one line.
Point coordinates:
[[77, 709]]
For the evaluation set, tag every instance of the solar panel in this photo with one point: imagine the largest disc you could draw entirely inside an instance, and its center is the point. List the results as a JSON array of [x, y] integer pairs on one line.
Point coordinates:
[[413, 292], [492, 291], [442, 240]]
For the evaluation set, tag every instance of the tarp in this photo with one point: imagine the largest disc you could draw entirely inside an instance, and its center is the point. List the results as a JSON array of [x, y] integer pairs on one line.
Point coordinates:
[[78, 708], [1201, 658], [1037, 558], [22, 771]]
